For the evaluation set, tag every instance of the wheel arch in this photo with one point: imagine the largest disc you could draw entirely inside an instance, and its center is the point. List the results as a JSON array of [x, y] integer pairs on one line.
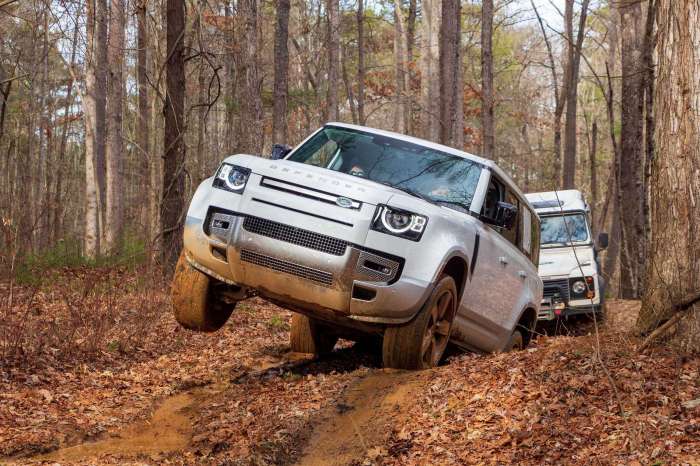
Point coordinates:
[[526, 323], [457, 267]]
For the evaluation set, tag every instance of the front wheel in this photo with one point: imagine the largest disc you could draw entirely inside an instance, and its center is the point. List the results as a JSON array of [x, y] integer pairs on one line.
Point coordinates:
[[309, 336], [196, 304], [421, 343]]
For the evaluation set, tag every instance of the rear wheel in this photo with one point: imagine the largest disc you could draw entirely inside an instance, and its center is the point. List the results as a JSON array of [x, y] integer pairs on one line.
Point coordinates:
[[309, 336], [516, 342], [421, 343], [196, 303]]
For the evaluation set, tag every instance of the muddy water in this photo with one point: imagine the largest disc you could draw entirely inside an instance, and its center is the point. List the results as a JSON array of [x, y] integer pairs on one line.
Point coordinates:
[[170, 429]]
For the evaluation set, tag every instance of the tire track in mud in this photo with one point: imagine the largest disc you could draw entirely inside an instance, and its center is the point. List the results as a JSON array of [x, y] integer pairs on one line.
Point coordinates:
[[170, 428], [360, 420]]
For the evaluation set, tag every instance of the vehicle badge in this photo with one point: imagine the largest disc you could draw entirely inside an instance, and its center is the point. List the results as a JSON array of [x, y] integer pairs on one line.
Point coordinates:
[[343, 202]]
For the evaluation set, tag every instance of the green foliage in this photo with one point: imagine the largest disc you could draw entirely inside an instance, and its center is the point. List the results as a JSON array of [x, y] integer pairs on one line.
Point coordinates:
[[36, 268]]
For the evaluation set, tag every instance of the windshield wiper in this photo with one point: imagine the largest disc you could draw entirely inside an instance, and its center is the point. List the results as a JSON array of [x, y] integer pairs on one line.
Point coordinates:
[[454, 203], [408, 191]]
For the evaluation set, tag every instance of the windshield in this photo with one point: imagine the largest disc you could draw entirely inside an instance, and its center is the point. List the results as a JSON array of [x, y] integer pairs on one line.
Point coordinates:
[[556, 230], [433, 175]]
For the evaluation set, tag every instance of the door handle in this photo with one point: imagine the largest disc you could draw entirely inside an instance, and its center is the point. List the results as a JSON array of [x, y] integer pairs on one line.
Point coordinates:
[[522, 274], [503, 260]]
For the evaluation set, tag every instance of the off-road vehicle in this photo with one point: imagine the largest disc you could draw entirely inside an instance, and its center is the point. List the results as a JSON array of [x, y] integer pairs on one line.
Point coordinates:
[[569, 259], [366, 232]]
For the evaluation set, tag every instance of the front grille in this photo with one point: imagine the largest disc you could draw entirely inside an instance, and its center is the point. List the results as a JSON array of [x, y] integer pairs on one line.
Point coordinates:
[[294, 235], [319, 276], [558, 287]]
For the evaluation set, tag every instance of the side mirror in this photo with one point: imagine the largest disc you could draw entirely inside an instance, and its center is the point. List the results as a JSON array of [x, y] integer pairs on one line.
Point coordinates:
[[505, 215], [279, 151], [602, 240]]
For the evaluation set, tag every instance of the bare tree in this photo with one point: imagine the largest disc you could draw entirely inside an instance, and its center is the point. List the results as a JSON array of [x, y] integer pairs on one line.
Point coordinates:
[[115, 146], [672, 298], [360, 62], [91, 238], [279, 111], [401, 107], [430, 68], [631, 187], [143, 129], [173, 202], [251, 132], [333, 40], [451, 93], [487, 124], [572, 75]]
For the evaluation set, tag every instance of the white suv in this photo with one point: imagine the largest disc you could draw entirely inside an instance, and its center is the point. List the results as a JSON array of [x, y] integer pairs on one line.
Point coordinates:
[[362, 231], [569, 258]]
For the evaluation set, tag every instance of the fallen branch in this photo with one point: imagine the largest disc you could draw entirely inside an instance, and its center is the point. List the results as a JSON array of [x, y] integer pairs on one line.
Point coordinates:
[[678, 312]]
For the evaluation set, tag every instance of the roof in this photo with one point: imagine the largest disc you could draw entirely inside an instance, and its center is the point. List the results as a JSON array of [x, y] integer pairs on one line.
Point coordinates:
[[557, 201], [432, 145]]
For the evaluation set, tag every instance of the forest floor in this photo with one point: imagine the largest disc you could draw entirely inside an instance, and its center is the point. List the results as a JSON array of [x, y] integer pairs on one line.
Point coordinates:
[[137, 389]]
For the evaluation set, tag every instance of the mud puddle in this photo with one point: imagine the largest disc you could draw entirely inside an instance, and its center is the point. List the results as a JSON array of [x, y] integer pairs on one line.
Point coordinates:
[[359, 422], [170, 429]]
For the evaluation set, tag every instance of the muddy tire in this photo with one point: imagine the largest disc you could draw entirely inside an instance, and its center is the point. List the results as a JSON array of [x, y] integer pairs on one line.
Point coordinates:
[[421, 343], [308, 336], [195, 302], [516, 342]]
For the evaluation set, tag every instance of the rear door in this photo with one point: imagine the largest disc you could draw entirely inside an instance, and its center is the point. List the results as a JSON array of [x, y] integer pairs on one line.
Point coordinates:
[[495, 286]]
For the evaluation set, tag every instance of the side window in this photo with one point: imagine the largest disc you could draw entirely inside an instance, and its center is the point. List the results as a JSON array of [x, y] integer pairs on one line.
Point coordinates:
[[535, 246], [526, 231], [513, 234], [494, 194]]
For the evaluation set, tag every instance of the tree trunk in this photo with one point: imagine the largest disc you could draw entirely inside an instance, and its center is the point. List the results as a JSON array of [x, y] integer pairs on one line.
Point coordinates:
[[91, 239], [673, 266], [401, 108], [333, 40], [430, 69], [487, 123], [251, 131], [173, 201], [360, 62], [114, 153], [143, 129], [101, 65], [631, 180], [574, 60], [592, 149], [451, 94], [279, 110]]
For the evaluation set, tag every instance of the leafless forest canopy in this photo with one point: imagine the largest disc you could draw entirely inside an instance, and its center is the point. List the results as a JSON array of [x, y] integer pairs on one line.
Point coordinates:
[[113, 111]]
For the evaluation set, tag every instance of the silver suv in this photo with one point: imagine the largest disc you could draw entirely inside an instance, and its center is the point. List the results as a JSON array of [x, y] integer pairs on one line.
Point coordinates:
[[364, 232]]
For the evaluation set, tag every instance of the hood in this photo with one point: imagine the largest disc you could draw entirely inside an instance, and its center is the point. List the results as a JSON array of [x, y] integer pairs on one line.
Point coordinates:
[[556, 262], [321, 179]]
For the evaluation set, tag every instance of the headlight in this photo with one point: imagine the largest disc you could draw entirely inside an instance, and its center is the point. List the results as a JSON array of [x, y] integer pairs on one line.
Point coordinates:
[[582, 288], [579, 287], [232, 177], [399, 223]]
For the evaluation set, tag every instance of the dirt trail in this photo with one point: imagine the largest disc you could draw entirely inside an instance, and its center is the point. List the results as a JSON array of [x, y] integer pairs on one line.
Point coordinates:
[[349, 431], [168, 430]]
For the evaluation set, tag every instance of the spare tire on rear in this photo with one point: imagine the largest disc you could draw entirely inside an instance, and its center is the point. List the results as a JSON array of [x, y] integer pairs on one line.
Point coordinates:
[[196, 304]]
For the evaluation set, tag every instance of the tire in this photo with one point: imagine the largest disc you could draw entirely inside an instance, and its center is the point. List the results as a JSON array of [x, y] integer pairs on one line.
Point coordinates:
[[421, 343], [516, 342], [308, 336], [196, 305]]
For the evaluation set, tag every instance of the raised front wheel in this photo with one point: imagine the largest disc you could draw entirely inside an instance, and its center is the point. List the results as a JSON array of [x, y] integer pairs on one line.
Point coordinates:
[[421, 343], [196, 304]]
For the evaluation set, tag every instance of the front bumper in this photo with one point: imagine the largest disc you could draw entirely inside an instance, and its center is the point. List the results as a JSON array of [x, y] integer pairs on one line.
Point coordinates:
[[314, 273]]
